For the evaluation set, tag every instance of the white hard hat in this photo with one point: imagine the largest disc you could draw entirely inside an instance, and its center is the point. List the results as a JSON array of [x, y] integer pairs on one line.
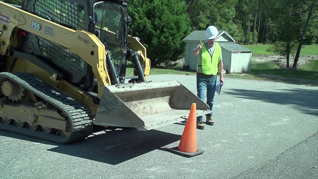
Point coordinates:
[[211, 32]]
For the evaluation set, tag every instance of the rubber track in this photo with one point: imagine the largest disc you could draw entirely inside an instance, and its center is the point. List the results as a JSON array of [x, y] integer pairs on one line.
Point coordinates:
[[79, 116]]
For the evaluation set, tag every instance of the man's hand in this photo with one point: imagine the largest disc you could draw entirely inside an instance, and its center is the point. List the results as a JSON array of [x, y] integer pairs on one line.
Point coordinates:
[[220, 66], [200, 45], [196, 51], [222, 81]]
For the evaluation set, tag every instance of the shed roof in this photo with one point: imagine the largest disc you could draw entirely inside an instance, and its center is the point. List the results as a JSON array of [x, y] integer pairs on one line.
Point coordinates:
[[234, 47], [200, 35]]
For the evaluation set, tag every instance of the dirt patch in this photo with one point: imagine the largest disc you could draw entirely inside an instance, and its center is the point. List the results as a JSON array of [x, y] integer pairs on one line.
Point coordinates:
[[281, 60]]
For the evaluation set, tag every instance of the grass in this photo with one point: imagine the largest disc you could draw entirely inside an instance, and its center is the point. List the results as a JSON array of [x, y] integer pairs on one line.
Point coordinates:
[[178, 69], [261, 49], [306, 74], [309, 50]]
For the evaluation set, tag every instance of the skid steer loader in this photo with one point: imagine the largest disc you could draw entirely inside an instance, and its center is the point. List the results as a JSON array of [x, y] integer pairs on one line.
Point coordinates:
[[63, 71]]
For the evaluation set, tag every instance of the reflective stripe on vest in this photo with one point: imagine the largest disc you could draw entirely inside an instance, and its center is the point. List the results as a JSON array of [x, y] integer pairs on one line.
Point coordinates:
[[206, 64]]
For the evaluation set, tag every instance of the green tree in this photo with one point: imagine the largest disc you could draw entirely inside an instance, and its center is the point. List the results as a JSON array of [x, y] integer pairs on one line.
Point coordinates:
[[291, 21], [254, 18], [17, 2], [244, 14], [197, 12], [219, 13], [286, 26], [311, 6], [161, 25]]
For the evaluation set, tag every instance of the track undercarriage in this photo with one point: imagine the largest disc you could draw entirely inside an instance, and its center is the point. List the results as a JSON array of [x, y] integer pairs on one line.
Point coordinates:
[[31, 107]]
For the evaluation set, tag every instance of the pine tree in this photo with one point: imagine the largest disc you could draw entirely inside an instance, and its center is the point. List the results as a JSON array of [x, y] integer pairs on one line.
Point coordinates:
[[161, 25], [219, 13]]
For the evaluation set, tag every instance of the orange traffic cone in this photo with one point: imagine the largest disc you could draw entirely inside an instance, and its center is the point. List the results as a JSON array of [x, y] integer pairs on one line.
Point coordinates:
[[188, 143]]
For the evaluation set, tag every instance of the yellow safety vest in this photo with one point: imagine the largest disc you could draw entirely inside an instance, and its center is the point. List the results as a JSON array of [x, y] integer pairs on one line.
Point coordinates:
[[206, 64]]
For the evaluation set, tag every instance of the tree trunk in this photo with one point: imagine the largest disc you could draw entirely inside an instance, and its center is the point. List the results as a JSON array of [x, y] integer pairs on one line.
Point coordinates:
[[287, 56], [248, 33], [255, 21], [254, 29], [259, 25], [264, 29], [266, 34], [304, 32], [248, 29]]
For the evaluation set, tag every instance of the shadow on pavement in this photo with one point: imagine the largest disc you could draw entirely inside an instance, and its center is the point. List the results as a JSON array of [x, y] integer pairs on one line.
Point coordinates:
[[304, 100], [110, 146], [117, 146]]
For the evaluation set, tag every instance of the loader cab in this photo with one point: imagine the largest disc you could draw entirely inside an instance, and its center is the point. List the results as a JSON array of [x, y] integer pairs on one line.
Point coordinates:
[[109, 17], [111, 26]]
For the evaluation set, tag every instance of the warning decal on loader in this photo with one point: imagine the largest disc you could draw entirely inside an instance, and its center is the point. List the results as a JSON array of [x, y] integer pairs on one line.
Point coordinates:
[[4, 18]]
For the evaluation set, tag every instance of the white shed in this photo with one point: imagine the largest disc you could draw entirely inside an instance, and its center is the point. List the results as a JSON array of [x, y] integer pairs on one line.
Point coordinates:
[[236, 58]]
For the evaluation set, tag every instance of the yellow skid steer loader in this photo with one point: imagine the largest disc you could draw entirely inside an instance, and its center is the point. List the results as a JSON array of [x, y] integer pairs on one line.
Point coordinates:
[[63, 70]]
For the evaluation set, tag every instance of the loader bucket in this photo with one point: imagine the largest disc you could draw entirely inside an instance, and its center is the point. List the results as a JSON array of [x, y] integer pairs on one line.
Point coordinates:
[[147, 106]]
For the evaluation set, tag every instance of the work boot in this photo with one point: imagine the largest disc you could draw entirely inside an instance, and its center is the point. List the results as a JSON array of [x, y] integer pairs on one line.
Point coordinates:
[[209, 121], [200, 125]]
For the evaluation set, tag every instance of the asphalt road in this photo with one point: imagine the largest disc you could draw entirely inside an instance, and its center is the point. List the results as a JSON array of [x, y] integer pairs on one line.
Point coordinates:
[[262, 130]]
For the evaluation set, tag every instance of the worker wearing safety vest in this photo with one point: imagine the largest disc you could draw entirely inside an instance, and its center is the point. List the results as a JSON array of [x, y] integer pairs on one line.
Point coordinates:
[[209, 63]]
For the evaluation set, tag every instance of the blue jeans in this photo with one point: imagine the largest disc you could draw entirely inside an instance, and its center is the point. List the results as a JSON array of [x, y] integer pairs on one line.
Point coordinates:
[[205, 82]]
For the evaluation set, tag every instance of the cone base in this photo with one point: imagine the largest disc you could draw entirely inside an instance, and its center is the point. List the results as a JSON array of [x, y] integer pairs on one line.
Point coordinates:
[[185, 154]]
